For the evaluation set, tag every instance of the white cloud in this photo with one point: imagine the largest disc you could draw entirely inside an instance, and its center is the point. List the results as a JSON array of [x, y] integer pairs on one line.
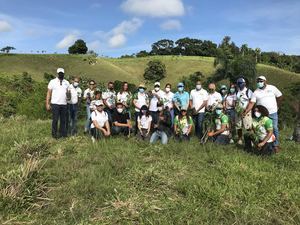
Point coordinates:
[[171, 25], [154, 8], [117, 41], [67, 41], [94, 45], [5, 26]]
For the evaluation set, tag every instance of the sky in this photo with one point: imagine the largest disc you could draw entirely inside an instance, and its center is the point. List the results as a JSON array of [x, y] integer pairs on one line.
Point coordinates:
[[117, 27]]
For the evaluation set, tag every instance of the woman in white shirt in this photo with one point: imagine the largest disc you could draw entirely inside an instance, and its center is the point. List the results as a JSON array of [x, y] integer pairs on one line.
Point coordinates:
[[100, 124], [144, 121], [124, 96]]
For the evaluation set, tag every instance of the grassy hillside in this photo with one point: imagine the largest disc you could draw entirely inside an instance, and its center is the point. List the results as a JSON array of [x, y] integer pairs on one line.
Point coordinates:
[[72, 181], [130, 69]]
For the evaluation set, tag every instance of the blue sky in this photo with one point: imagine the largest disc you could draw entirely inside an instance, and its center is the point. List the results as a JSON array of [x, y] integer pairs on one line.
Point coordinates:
[[117, 27]]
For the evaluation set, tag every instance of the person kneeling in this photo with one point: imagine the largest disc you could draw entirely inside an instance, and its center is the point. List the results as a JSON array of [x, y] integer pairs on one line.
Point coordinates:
[[120, 121], [144, 123], [183, 124], [221, 133], [162, 130], [100, 125], [261, 140]]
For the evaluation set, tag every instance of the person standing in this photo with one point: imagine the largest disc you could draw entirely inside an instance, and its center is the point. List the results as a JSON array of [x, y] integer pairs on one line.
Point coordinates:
[[56, 101], [156, 100], [229, 106], [168, 101], [75, 93], [88, 96], [270, 97], [214, 97], [109, 99], [181, 99], [139, 99], [198, 101], [125, 96]]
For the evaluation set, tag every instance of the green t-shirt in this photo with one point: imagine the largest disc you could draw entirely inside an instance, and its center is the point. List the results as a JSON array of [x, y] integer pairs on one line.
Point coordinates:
[[222, 119], [261, 127], [183, 124]]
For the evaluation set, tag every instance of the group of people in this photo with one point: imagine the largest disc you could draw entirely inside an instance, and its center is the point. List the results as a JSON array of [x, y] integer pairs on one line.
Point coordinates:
[[231, 114]]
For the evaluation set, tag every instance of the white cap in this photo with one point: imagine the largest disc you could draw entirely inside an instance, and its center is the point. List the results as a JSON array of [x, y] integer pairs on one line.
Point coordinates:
[[262, 78], [156, 84], [99, 102], [60, 70]]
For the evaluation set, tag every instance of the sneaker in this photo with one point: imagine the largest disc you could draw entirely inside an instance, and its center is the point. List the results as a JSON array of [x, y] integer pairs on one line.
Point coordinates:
[[93, 140], [240, 142], [231, 141]]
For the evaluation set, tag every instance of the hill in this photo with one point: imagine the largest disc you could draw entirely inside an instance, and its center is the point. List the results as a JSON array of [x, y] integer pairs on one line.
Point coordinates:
[[130, 69]]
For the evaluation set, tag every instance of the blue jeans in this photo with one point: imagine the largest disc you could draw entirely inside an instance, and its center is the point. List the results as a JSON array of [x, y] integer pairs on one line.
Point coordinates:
[[159, 135], [274, 118], [172, 117], [72, 119], [198, 121], [222, 139], [88, 117]]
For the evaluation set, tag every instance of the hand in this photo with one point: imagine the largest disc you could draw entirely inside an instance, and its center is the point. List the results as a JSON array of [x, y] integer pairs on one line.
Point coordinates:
[[244, 113], [48, 107], [261, 144], [210, 134]]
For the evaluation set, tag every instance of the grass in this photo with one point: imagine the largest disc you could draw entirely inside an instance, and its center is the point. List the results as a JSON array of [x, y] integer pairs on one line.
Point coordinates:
[[130, 69], [119, 181]]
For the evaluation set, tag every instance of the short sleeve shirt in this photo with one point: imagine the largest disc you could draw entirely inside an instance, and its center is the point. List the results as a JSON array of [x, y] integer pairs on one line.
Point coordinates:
[[229, 99], [243, 97], [141, 99], [100, 117], [110, 97], [261, 126], [75, 94], [183, 124], [214, 98], [222, 120], [120, 117], [267, 98], [59, 91], [182, 99], [145, 121], [154, 100], [198, 97], [168, 99]]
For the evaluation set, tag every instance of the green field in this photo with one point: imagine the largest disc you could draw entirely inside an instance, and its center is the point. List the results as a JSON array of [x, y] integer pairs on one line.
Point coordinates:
[[117, 181], [129, 69]]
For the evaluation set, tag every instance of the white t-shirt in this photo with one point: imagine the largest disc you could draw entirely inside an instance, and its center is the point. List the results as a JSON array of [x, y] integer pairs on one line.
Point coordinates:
[[267, 97], [198, 97], [242, 98], [145, 121], [141, 99], [214, 98], [154, 100], [59, 91], [229, 99], [110, 97], [123, 97], [100, 117], [168, 99], [75, 94], [92, 93]]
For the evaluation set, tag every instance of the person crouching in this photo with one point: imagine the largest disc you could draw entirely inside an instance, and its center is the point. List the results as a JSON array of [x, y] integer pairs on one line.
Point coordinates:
[[120, 120]]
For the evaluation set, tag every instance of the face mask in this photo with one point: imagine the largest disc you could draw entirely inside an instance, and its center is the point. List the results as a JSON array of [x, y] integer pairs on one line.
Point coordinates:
[[180, 89], [241, 86], [141, 90], [120, 110], [168, 89], [223, 91], [260, 85], [61, 76], [198, 86], [218, 111], [232, 90], [75, 84], [144, 112], [257, 114], [111, 88], [160, 109], [156, 89]]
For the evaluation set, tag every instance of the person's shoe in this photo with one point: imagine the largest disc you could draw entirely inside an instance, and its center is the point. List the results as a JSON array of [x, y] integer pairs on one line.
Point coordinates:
[[93, 140], [240, 142], [231, 141]]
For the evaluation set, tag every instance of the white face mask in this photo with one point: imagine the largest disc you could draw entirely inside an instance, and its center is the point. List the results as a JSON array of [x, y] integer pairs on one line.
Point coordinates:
[[120, 110], [168, 89], [75, 84], [198, 86], [160, 109], [257, 114], [156, 89]]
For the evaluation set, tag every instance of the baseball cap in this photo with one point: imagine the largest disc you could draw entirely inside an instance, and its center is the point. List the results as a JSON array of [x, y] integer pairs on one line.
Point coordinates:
[[180, 84], [60, 70], [99, 103], [223, 87], [262, 78], [183, 108], [241, 80], [157, 84]]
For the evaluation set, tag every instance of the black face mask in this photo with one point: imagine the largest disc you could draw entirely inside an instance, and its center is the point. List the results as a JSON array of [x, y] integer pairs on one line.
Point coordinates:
[[61, 76], [111, 88]]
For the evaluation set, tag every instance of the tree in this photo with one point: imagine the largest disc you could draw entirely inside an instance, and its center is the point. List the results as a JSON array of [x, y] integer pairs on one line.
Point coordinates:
[[155, 71], [143, 53], [163, 47], [296, 67], [190, 81], [79, 47], [7, 49]]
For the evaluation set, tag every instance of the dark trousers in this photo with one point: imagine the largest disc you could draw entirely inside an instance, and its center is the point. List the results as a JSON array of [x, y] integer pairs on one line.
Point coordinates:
[[120, 130], [222, 139], [109, 114], [72, 118], [136, 115], [59, 112], [154, 116], [198, 121], [182, 137], [267, 149]]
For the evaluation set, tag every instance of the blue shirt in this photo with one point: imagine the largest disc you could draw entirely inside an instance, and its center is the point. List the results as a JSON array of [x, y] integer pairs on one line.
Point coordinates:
[[182, 99]]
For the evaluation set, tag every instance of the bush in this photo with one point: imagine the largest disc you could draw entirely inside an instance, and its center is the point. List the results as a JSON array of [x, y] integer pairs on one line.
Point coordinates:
[[155, 71]]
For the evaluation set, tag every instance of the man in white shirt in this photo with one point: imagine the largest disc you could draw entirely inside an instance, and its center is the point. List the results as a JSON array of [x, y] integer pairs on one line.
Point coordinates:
[[214, 97], [88, 96], [109, 99], [168, 101], [157, 97], [243, 96], [198, 101], [75, 94], [270, 97], [56, 101]]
